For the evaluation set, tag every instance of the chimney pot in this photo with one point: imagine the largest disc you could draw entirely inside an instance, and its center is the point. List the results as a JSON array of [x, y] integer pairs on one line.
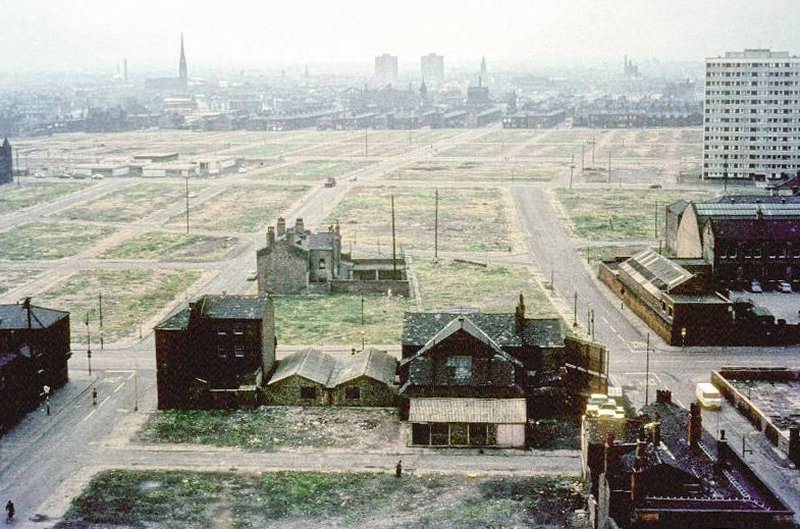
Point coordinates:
[[281, 226], [299, 227]]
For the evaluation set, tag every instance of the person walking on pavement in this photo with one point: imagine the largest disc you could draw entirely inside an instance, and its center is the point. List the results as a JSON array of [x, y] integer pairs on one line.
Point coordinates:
[[398, 469], [10, 511], [94, 396]]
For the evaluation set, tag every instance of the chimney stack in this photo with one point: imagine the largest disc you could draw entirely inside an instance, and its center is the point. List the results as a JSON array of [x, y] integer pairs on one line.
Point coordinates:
[[299, 227], [270, 235], [281, 226], [519, 315], [663, 396], [695, 424]]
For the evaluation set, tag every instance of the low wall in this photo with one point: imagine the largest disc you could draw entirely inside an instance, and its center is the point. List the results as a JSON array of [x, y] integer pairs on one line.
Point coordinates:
[[399, 287], [745, 406]]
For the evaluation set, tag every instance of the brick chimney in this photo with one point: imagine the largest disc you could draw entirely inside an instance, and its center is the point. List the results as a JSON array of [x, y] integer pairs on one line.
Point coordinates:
[[270, 236], [519, 315], [695, 424], [281, 226], [663, 396], [299, 227]]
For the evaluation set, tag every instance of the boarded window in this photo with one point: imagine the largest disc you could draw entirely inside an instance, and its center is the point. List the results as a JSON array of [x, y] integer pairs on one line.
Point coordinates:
[[352, 393], [238, 351], [420, 434], [308, 392], [458, 434], [439, 433]]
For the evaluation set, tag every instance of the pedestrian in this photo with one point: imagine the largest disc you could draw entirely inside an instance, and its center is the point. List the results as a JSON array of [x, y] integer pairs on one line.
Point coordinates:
[[10, 510], [398, 469], [94, 396], [47, 404]]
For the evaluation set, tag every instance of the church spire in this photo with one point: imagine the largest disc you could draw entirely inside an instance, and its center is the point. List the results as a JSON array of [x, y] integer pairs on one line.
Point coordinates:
[[183, 72]]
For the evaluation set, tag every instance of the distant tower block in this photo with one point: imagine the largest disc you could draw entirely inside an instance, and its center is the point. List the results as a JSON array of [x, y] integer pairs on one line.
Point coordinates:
[[183, 71], [125, 69], [483, 68]]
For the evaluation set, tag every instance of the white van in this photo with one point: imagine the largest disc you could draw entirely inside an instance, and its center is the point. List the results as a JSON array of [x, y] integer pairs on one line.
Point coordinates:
[[708, 396]]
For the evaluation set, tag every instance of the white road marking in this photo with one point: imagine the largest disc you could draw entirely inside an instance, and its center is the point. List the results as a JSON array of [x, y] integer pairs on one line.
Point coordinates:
[[104, 401], [90, 414], [119, 387]]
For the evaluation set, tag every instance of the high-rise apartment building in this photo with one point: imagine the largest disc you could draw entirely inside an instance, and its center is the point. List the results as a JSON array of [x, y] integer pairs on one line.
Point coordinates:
[[752, 115], [6, 163], [386, 69], [432, 68]]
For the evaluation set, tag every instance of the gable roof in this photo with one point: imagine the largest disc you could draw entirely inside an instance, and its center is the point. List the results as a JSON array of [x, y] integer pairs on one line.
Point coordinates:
[[219, 307], [462, 323], [420, 327], [329, 371], [15, 316]]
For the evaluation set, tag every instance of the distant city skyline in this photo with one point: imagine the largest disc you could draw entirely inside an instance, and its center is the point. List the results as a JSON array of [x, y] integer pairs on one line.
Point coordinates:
[[95, 34]]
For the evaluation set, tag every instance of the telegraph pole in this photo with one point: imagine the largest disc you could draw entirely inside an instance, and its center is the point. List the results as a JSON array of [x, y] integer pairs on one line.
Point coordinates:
[[187, 204], [571, 169], [583, 156], [100, 312], [593, 144], [609, 167], [366, 142], [394, 245], [655, 222], [436, 226], [575, 311], [88, 344], [19, 169]]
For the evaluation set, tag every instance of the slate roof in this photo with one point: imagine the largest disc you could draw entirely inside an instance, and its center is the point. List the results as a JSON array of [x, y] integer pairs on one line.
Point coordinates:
[[468, 410], [745, 210], [330, 372], [678, 206], [462, 323], [15, 316], [420, 327], [755, 199], [320, 241], [757, 230], [221, 307]]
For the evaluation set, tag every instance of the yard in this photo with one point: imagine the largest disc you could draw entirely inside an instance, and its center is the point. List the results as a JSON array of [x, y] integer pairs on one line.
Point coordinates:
[[168, 246], [336, 319], [10, 279], [241, 208], [131, 203], [617, 214], [45, 241], [32, 194], [283, 500], [470, 219], [278, 427], [130, 298]]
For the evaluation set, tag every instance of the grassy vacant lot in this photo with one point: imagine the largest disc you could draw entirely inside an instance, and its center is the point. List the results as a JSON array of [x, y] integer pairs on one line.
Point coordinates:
[[315, 169], [470, 219], [40, 240], [131, 203], [336, 319], [15, 278], [617, 214], [477, 171], [130, 298], [185, 499], [171, 246], [241, 208], [271, 427], [32, 194]]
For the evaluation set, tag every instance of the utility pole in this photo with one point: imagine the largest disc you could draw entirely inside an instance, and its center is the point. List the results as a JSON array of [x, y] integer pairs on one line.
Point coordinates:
[[362, 310], [394, 245], [609, 167], [575, 311], [583, 156], [436, 227], [655, 222], [187, 204], [593, 142], [88, 344], [571, 169], [647, 372], [100, 312], [366, 142], [19, 169], [592, 324]]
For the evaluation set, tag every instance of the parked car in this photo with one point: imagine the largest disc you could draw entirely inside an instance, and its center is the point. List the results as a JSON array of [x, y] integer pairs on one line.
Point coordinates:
[[97, 176], [594, 402], [655, 186], [755, 286], [330, 182], [708, 396], [784, 286], [252, 276]]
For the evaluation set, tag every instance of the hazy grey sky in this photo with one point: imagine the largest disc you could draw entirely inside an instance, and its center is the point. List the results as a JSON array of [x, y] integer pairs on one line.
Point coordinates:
[[93, 34]]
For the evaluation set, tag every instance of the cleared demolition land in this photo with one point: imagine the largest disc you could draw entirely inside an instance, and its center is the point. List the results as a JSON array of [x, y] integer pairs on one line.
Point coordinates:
[[125, 499]]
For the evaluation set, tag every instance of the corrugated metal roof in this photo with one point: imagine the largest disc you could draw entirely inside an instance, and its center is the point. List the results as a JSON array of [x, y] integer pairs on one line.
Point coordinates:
[[311, 364], [330, 372], [745, 210], [496, 411]]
